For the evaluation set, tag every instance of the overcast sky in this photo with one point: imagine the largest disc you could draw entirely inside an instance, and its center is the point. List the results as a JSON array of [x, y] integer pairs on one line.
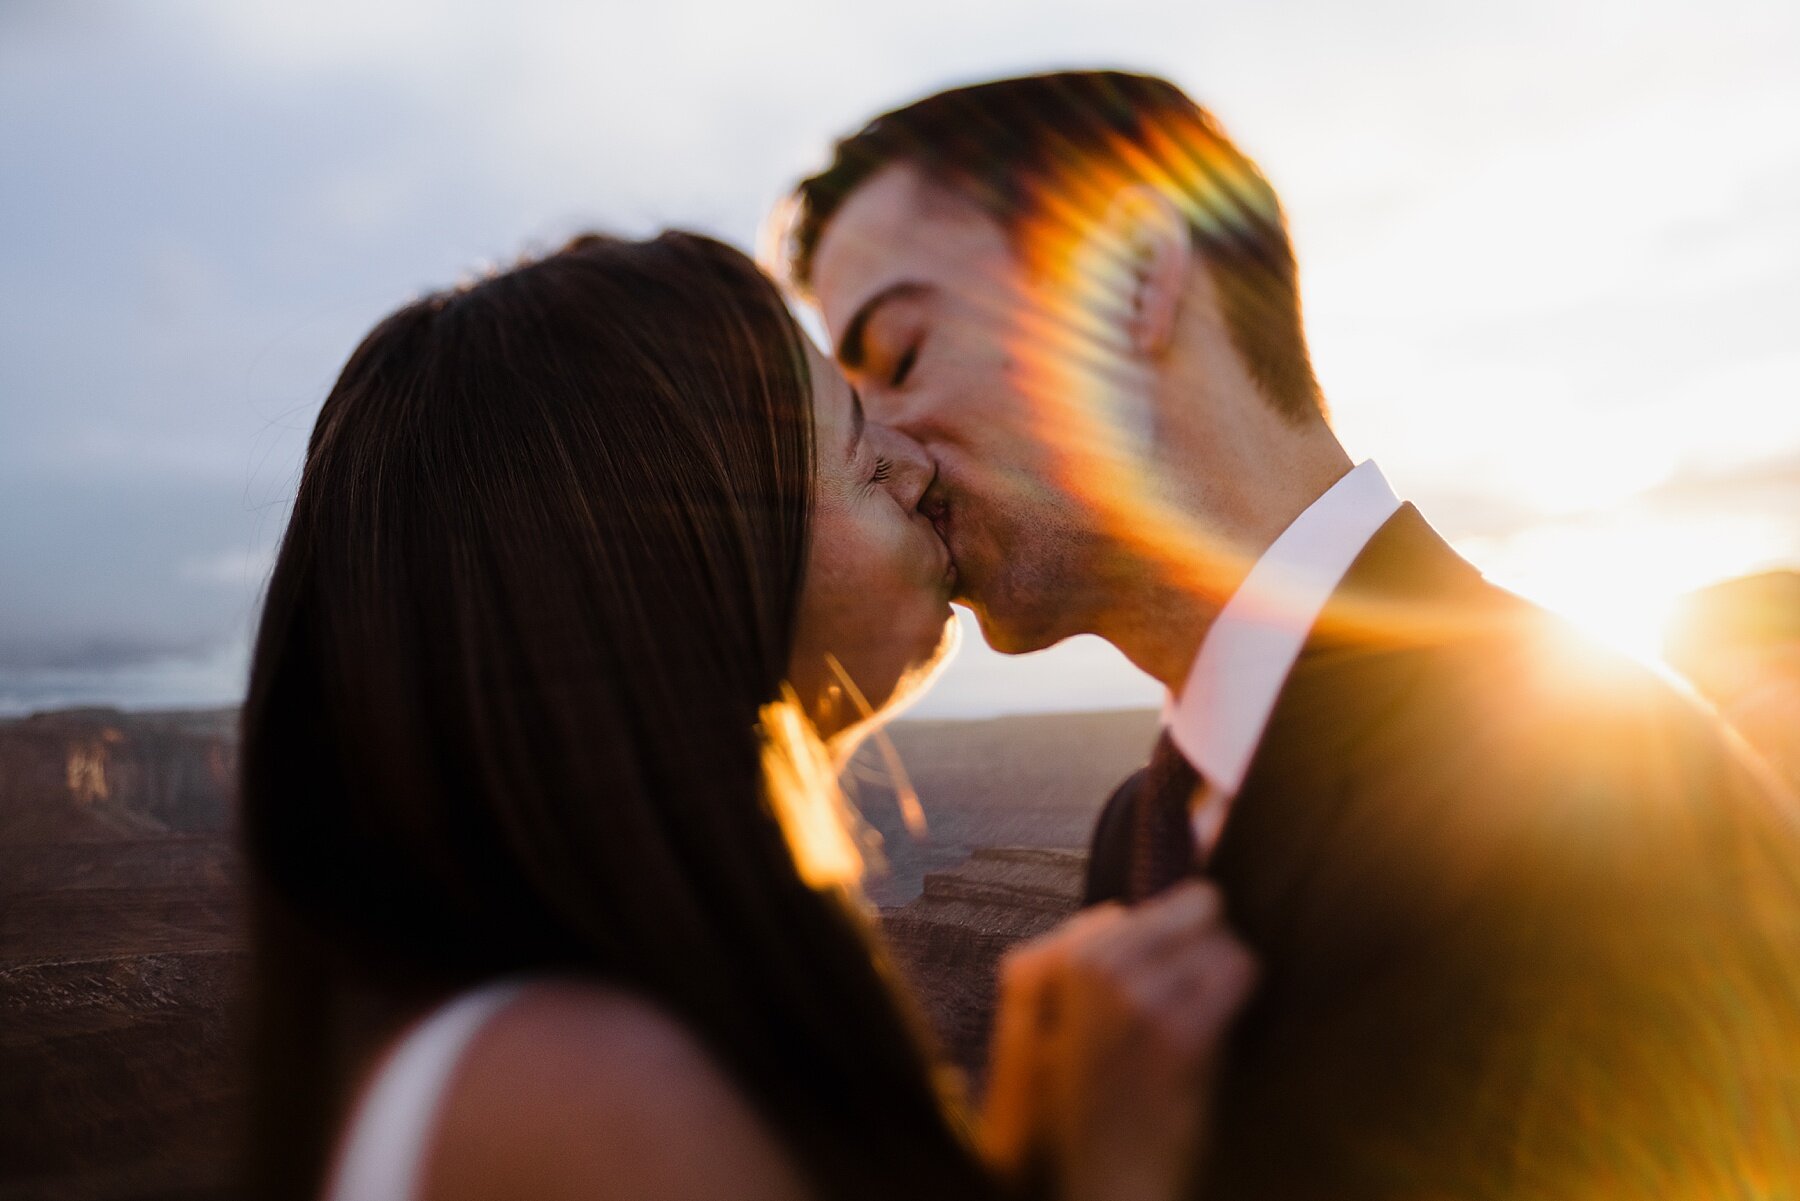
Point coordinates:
[[1550, 254]]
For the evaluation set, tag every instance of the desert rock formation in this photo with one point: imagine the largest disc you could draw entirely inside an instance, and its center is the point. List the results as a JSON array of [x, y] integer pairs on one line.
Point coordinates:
[[122, 953]]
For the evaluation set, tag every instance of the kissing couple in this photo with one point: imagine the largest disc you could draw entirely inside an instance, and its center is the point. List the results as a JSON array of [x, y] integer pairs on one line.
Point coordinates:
[[599, 570]]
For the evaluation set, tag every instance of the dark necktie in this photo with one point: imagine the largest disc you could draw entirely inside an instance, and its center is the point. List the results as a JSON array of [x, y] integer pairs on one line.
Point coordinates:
[[1162, 849]]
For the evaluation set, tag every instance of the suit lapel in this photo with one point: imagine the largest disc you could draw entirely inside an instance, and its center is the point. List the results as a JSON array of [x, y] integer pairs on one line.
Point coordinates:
[[1405, 594]]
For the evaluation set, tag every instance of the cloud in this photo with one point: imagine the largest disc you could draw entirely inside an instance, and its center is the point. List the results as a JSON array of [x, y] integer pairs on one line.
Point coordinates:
[[143, 677], [238, 569], [96, 654], [1524, 229], [1765, 485]]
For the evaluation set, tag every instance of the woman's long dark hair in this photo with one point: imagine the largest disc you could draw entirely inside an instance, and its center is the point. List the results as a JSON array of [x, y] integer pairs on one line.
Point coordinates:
[[540, 579]]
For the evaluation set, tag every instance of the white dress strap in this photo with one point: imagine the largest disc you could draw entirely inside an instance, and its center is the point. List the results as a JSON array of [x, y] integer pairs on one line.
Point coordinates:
[[383, 1148]]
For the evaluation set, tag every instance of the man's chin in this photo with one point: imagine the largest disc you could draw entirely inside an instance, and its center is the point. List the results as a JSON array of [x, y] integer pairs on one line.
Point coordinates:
[[1012, 633]]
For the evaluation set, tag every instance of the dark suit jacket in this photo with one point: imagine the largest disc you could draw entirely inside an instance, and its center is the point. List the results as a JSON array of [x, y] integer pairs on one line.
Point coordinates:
[[1529, 922]]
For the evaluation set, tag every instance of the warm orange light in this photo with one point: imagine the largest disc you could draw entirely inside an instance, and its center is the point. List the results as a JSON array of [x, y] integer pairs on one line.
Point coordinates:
[[801, 785], [1619, 575]]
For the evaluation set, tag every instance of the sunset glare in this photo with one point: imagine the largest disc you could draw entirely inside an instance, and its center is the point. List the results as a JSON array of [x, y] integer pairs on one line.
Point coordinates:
[[1619, 577]]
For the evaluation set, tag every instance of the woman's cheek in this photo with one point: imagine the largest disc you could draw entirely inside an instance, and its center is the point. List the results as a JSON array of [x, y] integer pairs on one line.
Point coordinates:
[[905, 557]]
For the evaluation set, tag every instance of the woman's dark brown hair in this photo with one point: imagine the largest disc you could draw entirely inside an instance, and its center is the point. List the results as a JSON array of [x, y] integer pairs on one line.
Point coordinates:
[[540, 579]]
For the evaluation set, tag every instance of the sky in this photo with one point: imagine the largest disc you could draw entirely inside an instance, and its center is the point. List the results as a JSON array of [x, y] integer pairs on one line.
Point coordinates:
[[1550, 259]]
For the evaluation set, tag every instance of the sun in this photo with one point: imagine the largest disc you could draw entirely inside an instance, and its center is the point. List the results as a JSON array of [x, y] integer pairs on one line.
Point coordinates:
[[1620, 578], [1624, 616]]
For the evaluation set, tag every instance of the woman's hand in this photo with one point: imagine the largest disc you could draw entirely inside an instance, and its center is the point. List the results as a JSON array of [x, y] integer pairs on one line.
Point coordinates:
[[1106, 1043]]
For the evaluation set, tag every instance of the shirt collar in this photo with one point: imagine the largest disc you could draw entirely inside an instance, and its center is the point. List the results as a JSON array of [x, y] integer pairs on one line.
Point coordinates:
[[1219, 715]]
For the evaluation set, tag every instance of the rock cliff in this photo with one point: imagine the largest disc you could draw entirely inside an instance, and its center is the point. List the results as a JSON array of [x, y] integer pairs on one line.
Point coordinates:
[[122, 953]]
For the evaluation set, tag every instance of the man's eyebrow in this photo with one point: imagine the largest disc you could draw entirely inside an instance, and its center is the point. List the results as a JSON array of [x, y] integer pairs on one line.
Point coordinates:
[[856, 424], [850, 349]]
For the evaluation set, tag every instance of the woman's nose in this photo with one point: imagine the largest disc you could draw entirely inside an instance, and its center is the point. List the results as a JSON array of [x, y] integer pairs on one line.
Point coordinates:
[[911, 469]]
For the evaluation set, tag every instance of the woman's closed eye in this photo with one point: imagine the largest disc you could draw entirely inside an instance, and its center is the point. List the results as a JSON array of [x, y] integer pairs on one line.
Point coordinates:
[[884, 467], [904, 366]]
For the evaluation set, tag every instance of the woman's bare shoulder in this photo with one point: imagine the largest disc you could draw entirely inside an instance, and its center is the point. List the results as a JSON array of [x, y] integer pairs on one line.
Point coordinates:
[[577, 1090]]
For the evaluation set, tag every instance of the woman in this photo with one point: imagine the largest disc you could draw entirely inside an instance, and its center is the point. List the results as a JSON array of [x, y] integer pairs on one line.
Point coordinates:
[[551, 896]]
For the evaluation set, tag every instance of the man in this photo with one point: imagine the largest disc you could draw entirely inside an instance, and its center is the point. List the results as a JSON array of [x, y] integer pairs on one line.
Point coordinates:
[[1528, 925]]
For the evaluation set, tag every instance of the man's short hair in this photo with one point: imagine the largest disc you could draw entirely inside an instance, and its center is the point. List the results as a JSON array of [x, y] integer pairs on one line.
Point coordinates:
[[1021, 147]]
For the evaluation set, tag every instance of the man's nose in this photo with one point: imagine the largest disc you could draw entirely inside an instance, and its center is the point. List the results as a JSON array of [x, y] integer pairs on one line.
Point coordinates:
[[907, 415], [911, 470]]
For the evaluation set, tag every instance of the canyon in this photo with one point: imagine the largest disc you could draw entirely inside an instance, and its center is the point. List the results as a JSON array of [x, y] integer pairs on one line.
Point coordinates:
[[123, 954]]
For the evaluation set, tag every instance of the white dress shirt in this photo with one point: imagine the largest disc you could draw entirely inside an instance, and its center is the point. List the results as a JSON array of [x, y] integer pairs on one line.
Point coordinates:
[[1218, 718]]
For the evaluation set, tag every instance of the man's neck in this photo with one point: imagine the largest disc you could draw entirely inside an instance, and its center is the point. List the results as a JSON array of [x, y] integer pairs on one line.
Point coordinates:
[[1160, 610], [1162, 636]]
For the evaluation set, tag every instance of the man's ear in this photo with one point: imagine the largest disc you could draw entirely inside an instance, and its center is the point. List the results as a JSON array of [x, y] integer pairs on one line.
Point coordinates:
[[1159, 254]]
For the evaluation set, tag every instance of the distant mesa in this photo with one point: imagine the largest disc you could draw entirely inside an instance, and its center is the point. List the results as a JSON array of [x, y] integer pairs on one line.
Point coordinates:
[[1739, 644], [1755, 614], [85, 775]]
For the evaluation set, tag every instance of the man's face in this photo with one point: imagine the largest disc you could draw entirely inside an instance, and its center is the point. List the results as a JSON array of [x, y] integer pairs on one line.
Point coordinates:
[[935, 319]]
